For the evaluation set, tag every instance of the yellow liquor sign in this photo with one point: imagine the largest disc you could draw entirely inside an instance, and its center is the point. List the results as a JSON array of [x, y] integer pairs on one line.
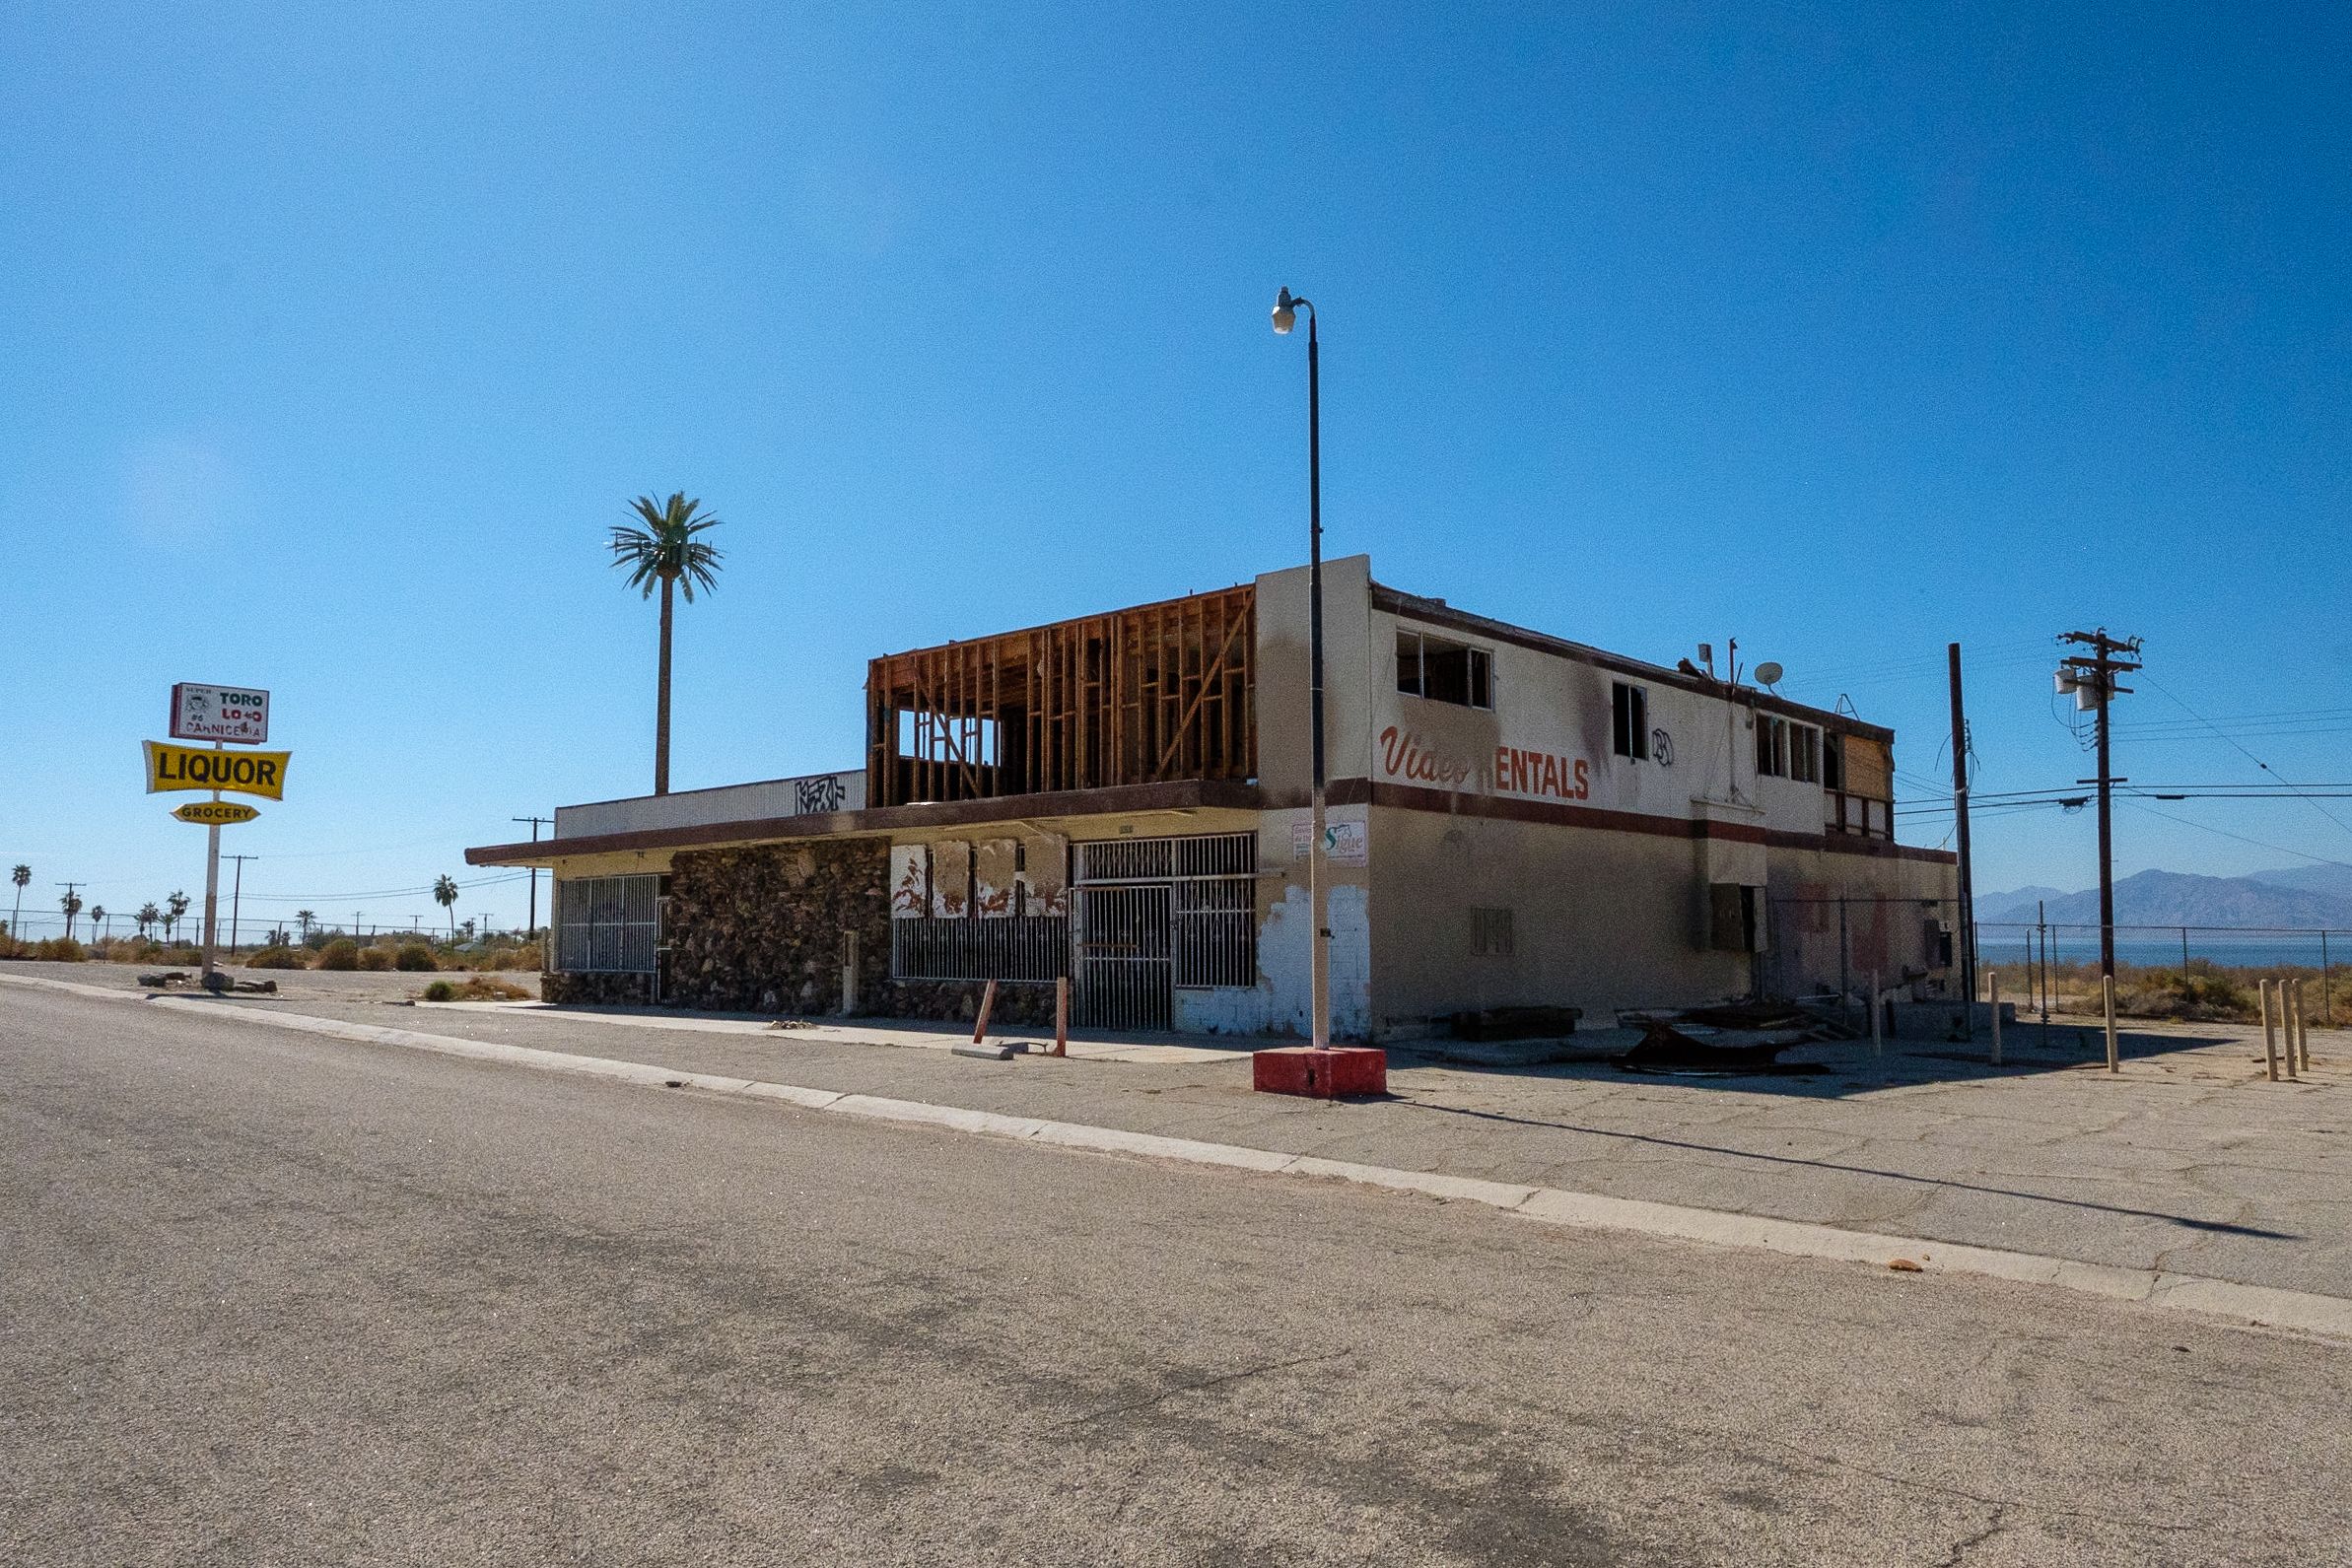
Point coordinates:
[[246, 773], [216, 813]]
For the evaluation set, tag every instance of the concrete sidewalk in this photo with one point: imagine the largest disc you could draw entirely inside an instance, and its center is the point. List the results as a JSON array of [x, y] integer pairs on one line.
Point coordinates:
[[2187, 1162]]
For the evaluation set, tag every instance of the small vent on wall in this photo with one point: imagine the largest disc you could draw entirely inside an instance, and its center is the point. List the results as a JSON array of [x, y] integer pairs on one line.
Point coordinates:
[[1490, 933]]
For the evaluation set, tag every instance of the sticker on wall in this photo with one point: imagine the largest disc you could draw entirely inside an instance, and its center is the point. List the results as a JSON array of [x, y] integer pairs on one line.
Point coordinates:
[[1344, 843]]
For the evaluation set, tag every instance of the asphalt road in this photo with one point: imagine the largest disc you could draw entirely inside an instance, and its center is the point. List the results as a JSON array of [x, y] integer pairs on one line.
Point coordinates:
[[266, 1298]]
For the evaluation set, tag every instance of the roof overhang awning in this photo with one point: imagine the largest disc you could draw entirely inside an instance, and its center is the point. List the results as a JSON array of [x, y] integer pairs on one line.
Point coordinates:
[[1184, 794]]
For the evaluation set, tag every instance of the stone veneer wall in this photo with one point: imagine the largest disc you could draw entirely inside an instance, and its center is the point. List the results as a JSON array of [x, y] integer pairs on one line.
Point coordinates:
[[596, 990], [760, 929]]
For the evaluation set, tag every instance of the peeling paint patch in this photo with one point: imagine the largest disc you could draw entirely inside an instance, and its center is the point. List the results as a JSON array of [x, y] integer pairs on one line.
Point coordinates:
[[908, 882], [996, 884]]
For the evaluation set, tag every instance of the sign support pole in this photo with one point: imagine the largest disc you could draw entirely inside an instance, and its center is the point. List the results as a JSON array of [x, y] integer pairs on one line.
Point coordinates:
[[212, 883]]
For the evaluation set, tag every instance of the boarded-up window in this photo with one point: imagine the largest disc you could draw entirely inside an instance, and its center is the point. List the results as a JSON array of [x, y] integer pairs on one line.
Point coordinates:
[[1735, 923]]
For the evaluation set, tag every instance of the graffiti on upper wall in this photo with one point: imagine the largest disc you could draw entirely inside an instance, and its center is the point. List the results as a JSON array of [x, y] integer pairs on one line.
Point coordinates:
[[1662, 748], [825, 791], [1512, 770]]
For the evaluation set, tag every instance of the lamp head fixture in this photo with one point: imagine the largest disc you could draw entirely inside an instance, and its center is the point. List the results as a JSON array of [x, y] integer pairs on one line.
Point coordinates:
[[1285, 311]]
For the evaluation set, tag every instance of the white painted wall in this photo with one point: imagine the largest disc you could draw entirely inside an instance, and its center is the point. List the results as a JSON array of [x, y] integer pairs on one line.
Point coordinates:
[[804, 795]]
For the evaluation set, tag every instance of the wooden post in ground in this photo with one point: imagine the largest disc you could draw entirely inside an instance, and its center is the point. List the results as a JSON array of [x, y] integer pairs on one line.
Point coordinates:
[[1878, 1049], [2107, 989], [2269, 1032], [2303, 1027], [2290, 1003], [848, 974], [1992, 981], [1062, 1016], [988, 1000]]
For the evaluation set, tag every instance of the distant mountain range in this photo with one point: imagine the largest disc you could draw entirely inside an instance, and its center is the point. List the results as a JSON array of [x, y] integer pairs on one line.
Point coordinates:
[[2304, 897]]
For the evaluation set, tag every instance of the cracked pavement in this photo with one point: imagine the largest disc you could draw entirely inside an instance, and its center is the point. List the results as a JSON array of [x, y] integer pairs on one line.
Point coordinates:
[[2188, 1160], [276, 1298]]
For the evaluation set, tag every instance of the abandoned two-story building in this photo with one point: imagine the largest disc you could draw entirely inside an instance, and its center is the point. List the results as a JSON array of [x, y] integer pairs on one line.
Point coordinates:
[[1516, 820]]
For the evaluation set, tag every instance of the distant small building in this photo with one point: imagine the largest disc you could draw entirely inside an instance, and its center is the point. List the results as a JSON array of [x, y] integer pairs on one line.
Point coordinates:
[[1515, 820]]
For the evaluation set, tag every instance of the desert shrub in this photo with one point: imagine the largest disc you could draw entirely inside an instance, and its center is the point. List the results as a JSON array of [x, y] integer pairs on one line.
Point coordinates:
[[441, 990], [415, 956], [277, 958], [341, 953], [375, 958], [62, 949]]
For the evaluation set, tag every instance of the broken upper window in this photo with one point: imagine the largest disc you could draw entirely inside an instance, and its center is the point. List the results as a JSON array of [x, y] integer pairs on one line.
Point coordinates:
[[1804, 753], [1631, 720], [1772, 747], [1833, 762], [1444, 672]]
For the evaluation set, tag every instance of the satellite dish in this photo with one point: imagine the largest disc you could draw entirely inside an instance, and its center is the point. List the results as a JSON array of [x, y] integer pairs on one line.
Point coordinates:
[[1768, 672]]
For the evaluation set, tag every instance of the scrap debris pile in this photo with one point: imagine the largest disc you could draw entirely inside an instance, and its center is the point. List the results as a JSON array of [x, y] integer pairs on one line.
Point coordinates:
[[1734, 1039]]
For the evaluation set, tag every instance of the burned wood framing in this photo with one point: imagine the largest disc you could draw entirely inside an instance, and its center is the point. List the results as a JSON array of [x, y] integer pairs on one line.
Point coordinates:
[[1140, 696]]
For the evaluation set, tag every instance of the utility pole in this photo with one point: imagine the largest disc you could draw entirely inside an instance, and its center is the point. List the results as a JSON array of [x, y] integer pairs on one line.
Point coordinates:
[[2092, 680], [530, 921], [1966, 932], [237, 895]]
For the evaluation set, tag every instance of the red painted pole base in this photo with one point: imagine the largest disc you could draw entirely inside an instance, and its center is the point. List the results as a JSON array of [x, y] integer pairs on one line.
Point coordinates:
[[1338, 1073]]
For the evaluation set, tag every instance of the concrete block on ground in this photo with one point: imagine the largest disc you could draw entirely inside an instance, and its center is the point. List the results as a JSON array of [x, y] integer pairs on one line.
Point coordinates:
[[1339, 1072]]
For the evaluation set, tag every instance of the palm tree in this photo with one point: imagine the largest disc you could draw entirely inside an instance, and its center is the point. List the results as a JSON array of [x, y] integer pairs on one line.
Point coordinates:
[[147, 916], [306, 919], [173, 908], [665, 551], [71, 902], [19, 876], [98, 917], [444, 894]]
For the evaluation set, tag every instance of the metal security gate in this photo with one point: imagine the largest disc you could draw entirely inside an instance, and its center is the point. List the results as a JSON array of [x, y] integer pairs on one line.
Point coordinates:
[[1127, 974], [1159, 914]]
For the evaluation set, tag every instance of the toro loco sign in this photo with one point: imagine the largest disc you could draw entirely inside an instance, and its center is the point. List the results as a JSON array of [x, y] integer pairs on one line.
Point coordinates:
[[232, 713]]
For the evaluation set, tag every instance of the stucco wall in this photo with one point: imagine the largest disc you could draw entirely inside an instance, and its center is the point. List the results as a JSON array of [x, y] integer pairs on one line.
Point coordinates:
[[1600, 919], [1607, 919]]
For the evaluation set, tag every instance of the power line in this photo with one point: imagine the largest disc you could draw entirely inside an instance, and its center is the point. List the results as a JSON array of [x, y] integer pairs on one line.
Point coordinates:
[[2250, 756], [2260, 843]]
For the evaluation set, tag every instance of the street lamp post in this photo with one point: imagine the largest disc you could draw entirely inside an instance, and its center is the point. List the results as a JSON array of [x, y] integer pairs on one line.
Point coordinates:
[[1285, 315]]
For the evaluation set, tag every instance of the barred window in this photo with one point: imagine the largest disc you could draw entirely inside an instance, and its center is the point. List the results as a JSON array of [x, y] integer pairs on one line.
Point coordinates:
[[1021, 947], [608, 925]]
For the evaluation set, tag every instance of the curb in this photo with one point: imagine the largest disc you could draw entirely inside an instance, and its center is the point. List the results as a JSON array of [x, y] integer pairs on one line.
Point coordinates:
[[2304, 1310]]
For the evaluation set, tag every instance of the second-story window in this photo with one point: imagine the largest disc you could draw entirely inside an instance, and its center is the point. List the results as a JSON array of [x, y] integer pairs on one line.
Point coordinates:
[[1804, 753], [1444, 672], [1630, 719], [1772, 747]]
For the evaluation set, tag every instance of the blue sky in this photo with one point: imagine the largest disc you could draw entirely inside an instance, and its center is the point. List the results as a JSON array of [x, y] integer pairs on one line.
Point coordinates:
[[337, 340]]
